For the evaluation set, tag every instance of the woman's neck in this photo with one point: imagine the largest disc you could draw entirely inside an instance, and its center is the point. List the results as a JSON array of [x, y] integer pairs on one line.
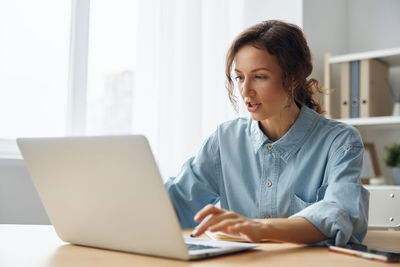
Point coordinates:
[[278, 125]]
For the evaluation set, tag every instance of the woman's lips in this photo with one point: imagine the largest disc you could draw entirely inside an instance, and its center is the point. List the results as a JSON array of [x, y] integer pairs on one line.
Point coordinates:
[[253, 107]]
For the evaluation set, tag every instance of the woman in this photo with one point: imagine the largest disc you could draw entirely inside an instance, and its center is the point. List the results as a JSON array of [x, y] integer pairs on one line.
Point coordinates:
[[285, 174]]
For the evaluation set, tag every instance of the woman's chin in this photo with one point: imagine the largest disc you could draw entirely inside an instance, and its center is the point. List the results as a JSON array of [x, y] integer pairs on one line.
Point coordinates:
[[258, 116]]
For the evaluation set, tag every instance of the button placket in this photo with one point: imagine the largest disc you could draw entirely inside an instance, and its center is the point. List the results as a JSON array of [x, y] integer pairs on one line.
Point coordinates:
[[268, 176], [269, 182]]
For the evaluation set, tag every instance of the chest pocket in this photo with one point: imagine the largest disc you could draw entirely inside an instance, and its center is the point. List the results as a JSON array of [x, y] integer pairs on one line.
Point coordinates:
[[321, 192], [297, 203]]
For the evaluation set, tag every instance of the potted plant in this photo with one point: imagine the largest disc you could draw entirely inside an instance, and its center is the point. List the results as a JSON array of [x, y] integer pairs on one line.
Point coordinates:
[[392, 159]]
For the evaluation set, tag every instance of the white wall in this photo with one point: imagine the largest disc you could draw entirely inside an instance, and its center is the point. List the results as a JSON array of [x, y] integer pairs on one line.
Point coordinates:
[[325, 24], [375, 25], [19, 201], [256, 11]]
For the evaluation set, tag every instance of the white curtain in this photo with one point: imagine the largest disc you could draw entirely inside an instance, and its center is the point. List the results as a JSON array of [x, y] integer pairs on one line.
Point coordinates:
[[180, 94]]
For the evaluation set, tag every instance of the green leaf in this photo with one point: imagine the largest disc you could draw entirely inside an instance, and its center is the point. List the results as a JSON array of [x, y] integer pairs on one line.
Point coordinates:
[[392, 157]]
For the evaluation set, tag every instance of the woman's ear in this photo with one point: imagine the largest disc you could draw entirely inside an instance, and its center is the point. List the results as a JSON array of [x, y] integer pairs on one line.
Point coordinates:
[[293, 83]]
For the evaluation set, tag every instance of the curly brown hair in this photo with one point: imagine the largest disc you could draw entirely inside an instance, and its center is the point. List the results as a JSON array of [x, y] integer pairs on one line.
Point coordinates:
[[287, 42]]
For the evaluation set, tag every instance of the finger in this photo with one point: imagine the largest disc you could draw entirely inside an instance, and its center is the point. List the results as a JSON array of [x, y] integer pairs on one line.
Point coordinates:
[[212, 220], [207, 210]]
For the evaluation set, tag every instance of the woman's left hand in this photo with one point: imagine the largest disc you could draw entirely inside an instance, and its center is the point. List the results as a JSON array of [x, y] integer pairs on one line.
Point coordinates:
[[229, 222]]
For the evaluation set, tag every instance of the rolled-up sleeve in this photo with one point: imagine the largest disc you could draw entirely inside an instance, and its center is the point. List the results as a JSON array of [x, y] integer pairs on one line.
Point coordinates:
[[196, 185], [341, 209]]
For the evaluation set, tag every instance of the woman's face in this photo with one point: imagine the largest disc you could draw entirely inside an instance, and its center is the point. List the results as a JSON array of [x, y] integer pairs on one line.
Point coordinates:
[[259, 78]]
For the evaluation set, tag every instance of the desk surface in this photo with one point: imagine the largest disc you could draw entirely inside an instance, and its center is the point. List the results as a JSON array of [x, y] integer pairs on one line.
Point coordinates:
[[33, 245]]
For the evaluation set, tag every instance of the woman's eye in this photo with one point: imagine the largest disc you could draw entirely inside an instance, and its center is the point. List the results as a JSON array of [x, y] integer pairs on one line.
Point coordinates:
[[238, 78], [261, 77]]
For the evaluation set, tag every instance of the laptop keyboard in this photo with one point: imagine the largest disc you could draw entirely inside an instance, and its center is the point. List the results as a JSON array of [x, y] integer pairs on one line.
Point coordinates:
[[198, 246]]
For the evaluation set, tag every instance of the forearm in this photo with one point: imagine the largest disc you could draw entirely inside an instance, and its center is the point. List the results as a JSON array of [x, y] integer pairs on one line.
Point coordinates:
[[295, 230]]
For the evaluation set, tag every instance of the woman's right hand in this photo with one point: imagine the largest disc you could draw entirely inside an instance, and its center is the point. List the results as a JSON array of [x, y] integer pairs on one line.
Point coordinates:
[[215, 219]]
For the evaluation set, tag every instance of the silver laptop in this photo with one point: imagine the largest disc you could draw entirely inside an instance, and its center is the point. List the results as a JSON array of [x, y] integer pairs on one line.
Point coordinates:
[[107, 192]]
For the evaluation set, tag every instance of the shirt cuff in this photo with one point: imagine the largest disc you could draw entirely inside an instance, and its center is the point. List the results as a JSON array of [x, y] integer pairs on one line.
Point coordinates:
[[332, 221]]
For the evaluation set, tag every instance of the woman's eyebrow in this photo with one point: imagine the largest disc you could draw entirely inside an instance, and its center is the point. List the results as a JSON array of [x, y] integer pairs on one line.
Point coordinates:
[[261, 69], [255, 70]]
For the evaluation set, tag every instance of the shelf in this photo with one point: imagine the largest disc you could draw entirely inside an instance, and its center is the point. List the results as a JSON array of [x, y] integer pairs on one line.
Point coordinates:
[[378, 122], [390, 56]]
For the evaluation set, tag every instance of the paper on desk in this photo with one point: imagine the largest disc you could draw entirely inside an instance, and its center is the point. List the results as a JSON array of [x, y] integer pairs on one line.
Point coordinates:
[[227, 237]]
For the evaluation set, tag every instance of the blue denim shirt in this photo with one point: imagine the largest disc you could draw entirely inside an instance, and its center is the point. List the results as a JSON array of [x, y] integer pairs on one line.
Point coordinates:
[[313, 171]]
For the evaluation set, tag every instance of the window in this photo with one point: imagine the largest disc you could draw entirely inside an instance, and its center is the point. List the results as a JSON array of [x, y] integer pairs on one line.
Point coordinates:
[[111, 66], [34, 55], [81, 67]]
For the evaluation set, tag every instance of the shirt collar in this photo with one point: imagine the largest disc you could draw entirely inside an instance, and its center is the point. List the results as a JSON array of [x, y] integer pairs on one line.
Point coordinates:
[[290, 143]]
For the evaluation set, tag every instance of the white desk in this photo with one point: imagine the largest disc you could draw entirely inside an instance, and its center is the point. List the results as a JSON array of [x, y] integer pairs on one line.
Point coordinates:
[[34, 246]]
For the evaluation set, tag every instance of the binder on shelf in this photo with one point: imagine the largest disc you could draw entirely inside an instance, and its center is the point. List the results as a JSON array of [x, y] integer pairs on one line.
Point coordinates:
[[345, 90], [374, 93], [364, 91], [371, 95], [355, 89], [331, 97]]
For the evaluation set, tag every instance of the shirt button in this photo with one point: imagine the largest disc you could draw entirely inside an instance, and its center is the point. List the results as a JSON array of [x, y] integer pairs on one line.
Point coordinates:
[[269, 183], [269, 146]]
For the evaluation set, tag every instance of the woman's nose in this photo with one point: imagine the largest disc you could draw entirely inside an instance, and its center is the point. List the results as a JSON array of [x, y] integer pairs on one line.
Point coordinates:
[[247, 89]]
